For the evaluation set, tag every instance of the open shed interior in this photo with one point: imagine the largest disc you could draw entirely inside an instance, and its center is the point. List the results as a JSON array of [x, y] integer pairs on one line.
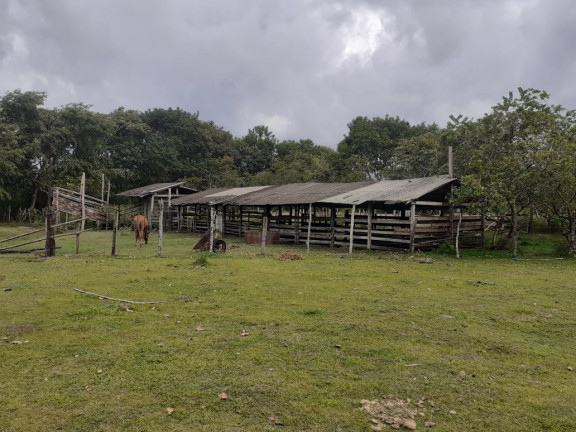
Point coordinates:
[[388, 215]]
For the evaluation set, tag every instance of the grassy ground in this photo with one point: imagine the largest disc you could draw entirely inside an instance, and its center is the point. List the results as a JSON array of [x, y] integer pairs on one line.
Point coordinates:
[[295, 345]]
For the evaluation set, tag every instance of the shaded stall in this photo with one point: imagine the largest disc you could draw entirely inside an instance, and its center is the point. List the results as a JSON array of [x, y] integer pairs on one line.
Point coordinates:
[[386, 215], [145, 200]]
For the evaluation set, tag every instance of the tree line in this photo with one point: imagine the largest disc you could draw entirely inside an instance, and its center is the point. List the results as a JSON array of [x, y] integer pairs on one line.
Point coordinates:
[[518, 159]]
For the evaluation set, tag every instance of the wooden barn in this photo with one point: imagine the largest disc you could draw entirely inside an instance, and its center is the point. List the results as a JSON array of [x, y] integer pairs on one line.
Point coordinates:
[[394, 215], [146, 199]]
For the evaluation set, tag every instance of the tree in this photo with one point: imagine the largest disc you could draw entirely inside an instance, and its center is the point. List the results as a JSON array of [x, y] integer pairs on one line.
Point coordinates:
[[556, 188], [255, 151], [419, 156], [374, 141], [21, 119], [501, 149]]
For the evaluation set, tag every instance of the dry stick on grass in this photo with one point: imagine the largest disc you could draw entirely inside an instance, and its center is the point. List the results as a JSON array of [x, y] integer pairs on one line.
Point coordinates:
[[125, 301]]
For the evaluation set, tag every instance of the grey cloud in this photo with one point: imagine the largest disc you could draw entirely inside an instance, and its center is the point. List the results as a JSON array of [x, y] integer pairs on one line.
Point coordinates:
[[283, 63]]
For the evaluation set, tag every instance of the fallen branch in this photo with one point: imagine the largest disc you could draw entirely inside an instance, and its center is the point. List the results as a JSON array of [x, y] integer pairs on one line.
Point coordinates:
[[125, 301]]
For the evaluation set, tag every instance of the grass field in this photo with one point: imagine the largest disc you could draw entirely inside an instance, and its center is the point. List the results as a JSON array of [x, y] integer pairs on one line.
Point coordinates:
[[484, 343]]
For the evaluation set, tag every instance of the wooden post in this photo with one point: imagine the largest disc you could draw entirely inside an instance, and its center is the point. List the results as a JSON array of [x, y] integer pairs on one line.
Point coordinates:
[[240, 223], [212, 226], [450, 163], [264, 232], [482, 223], [332, 225], [412, 226], [9, 211], [83, 200], [115, 233], [103, 183], [160, 226], [369, 233], [352, 229], [458, 235], [169, 221], [107, 203], [50, 247], [309, 228], [297, 225], [151, 211]]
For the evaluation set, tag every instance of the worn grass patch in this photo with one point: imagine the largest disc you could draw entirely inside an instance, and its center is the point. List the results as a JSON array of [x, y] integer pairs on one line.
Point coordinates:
[[294, 344]]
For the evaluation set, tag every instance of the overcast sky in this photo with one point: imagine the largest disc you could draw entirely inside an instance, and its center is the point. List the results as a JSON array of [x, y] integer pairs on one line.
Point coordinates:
[[304, 68]]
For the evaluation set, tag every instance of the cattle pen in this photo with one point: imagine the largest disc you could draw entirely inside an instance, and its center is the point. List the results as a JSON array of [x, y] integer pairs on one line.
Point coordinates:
[[394, 215]]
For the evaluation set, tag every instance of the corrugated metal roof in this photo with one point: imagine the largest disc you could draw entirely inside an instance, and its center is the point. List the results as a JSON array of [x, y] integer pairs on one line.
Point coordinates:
[[153, 188], [391, 191], [216, 196], [295, 193], [387, 191]]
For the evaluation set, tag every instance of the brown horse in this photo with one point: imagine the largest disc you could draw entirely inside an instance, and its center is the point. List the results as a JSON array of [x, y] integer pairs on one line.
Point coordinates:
[[141, 229]]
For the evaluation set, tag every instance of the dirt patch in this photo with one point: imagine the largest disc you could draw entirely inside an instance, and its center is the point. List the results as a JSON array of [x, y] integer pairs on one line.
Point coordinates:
[[393, 413], [290, 256]]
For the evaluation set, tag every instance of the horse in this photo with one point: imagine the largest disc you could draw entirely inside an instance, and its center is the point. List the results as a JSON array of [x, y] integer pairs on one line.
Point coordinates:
[[141, 230]]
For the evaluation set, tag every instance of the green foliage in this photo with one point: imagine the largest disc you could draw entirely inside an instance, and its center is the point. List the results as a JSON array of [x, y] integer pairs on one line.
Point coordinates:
[[375, 141]]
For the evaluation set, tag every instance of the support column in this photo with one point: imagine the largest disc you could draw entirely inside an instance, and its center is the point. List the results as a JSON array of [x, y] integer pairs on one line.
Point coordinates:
[[212, 226], [309, 228], [160, 226], [352, 229], [264, 232], [297, 225], [332, 225], [369, 233], [412, 226]]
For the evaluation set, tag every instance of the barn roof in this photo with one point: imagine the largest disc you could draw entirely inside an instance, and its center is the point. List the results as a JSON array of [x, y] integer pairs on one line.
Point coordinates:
[[392, 191], [387, 191], [155, 188], [295, 193], [216, 196]]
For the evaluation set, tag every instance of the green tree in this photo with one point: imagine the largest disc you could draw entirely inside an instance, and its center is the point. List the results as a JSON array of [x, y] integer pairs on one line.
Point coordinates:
[[419, 156], [21, 120], [372, 143], [255, 152], [501, 148], [556, 186]]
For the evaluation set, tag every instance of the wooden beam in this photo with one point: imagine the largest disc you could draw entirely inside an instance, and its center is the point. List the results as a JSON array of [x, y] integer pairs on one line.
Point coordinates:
[[369, 233], [332, 225], [22, 235], [83, 199], [450, 162], [412, 226], [160, 226], [309, 228], [351, 247], [212, 226], [264, 232]]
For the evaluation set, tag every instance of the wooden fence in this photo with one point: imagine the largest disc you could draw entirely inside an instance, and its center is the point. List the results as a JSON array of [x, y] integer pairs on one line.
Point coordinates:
[[379, 229]]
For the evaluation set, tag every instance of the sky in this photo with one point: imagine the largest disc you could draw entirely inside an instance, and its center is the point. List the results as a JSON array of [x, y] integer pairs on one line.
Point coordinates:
[[303, 68]]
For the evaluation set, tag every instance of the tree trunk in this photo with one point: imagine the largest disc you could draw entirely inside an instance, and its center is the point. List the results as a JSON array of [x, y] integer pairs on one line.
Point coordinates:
[[33, 200]]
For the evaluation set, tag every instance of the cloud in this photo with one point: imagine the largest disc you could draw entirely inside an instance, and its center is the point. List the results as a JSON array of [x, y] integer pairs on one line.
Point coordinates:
[[304, 68]]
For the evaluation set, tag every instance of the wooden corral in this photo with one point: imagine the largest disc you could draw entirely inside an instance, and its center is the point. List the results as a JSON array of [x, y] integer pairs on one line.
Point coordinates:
[[74, 203], [393, 215], [146, 201]]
